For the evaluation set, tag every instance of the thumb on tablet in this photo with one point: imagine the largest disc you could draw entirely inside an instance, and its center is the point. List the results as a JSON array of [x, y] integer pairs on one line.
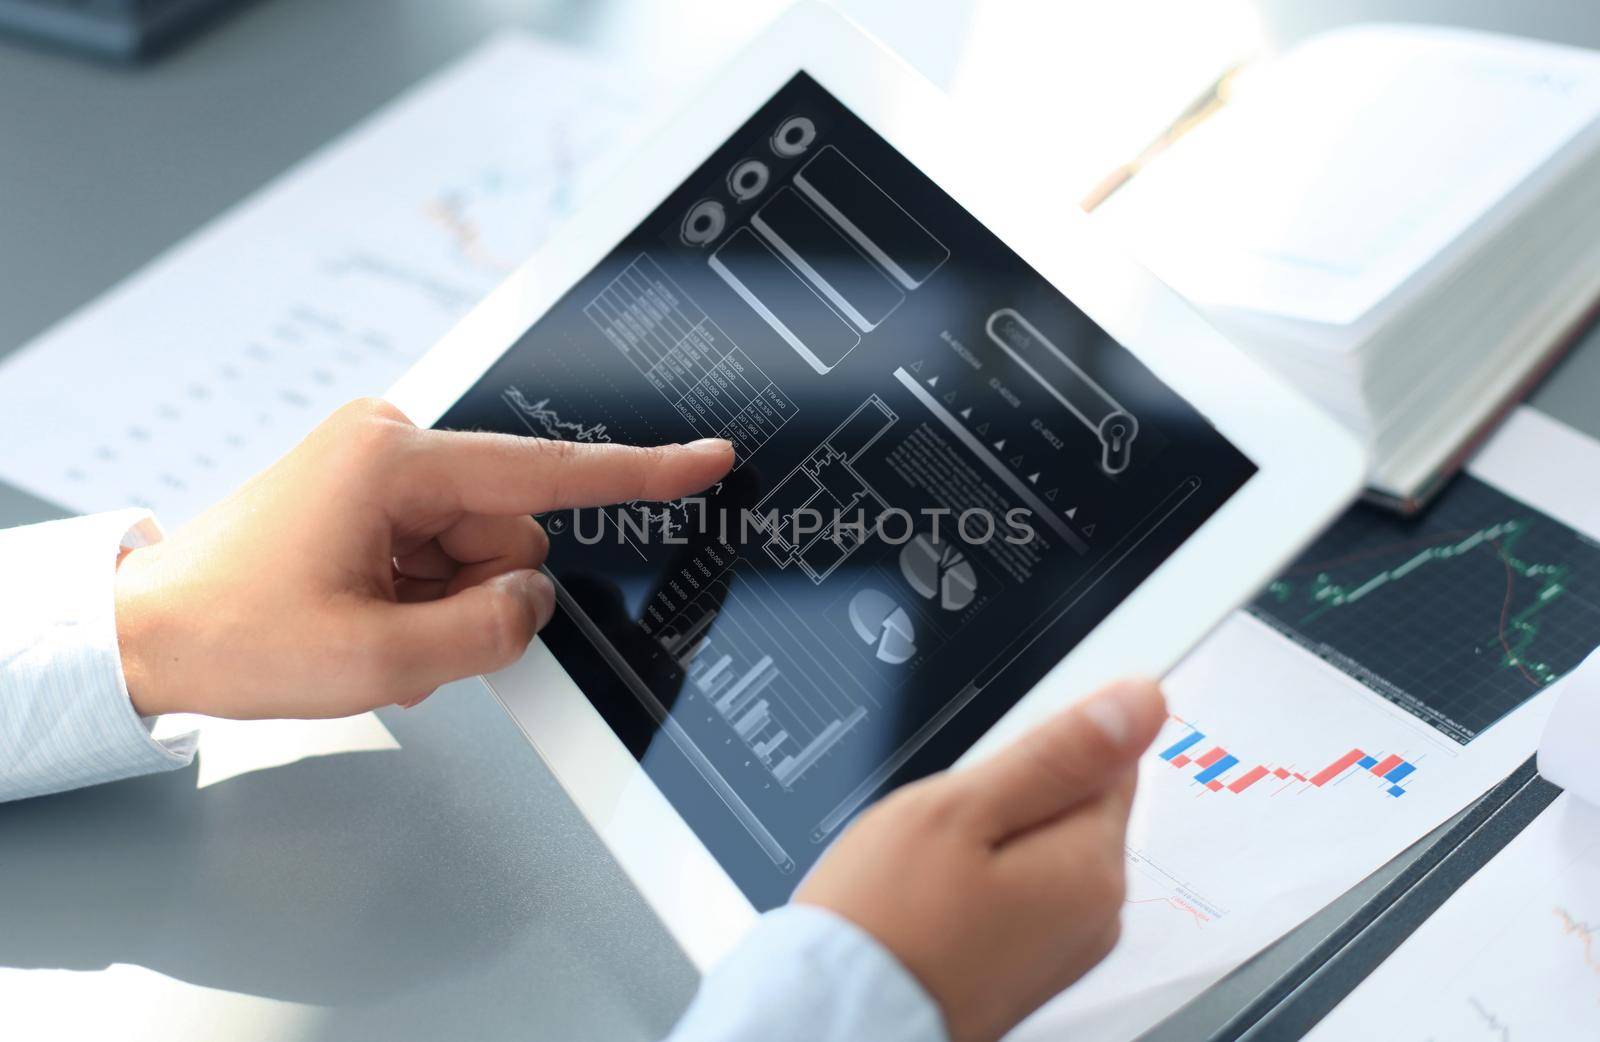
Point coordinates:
[[1070, 758]]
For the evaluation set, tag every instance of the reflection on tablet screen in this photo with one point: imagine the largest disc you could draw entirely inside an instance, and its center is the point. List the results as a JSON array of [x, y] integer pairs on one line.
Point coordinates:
[[947, 476]]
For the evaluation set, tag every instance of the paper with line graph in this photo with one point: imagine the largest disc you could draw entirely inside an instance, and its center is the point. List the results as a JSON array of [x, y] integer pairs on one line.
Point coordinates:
[[210, 363], [1513, 955], [1394, 673]]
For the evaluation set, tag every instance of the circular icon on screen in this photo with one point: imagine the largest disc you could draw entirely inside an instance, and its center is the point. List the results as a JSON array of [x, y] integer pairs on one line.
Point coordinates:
[[748, 179], [941, 573], [883, 626], [793, 136], [703, 223]]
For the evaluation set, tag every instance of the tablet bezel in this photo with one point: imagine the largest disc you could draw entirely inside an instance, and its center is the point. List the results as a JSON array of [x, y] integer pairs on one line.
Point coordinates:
[[1309, 468]]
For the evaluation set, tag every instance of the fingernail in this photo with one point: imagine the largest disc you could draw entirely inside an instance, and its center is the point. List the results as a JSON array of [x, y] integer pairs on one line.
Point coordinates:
[[1114, 710], [711, 446], [541, 593]]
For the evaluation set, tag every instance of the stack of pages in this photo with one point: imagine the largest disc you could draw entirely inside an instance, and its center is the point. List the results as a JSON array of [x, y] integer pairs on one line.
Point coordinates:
[[1402, 221]]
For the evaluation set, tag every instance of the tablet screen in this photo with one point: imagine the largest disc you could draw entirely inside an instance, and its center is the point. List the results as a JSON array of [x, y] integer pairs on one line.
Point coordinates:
[[947, 475]]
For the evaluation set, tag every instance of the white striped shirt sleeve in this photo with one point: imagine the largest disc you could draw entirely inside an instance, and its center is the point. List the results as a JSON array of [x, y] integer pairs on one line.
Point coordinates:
[[65, 716]]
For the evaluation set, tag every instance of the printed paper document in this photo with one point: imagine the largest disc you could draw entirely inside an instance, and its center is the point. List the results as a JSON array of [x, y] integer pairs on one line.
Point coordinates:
[[206, 366], [1394, 674]]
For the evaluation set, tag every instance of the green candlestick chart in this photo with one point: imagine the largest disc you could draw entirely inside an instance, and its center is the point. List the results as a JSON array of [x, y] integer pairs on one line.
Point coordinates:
[[1458, 616]]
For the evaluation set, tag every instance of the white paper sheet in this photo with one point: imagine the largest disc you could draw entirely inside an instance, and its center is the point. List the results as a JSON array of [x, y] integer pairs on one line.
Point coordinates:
[[210, 363], [1566, 752], [1514, 954], [1336, 173], [1215, 875]]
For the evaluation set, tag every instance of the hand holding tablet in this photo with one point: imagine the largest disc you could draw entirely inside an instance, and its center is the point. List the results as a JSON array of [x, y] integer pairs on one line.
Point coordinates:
[[1000, 886], [984, 465], [411, 562], [964, 464]]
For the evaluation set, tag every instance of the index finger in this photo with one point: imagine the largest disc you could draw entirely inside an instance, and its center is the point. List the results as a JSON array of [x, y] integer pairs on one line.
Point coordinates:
[[485, 473]]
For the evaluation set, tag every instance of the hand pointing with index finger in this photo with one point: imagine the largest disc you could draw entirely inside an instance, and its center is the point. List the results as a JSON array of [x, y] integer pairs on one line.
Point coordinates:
[[371, 564]]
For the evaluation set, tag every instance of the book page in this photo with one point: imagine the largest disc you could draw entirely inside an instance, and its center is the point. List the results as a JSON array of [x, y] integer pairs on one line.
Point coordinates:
[[1334, 174], [1514, 954], [1080, 89], [1396, 672], [204, 367]]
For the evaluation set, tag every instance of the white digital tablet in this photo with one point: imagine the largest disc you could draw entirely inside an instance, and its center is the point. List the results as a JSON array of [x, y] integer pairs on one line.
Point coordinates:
[[984, 464]]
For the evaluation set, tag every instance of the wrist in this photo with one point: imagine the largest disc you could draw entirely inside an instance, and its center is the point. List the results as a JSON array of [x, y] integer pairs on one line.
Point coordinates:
[[139, 626]]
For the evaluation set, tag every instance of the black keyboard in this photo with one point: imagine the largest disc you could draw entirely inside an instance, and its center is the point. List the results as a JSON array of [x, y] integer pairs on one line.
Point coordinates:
[[126, 29]]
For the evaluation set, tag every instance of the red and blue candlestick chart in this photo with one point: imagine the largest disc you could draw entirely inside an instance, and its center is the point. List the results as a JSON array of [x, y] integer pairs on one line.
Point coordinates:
[[1215, 769]]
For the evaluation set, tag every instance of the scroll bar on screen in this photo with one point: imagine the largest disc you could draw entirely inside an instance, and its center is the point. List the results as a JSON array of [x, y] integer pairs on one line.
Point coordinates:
[[1013, 482]]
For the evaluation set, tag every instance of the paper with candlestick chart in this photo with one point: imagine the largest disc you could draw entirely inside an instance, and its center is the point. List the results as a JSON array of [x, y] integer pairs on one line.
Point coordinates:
[[1393, 674]]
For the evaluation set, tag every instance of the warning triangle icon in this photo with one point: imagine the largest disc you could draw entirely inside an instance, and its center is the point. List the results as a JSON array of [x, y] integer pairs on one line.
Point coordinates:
[[966, 414], [933, 381], [1000, 444]]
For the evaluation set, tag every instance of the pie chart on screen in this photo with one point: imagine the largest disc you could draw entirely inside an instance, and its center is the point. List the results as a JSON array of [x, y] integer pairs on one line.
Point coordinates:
[[883, 626], [939, 572]]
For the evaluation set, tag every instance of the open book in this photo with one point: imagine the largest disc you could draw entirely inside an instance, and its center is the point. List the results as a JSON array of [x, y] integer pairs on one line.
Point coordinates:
[[1404, 222]]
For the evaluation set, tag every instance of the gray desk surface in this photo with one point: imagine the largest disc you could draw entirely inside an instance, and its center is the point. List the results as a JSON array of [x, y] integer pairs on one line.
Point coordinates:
[[447, 889]]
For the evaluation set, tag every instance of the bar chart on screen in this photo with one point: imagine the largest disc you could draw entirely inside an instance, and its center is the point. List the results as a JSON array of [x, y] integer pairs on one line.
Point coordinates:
[[727, 643]]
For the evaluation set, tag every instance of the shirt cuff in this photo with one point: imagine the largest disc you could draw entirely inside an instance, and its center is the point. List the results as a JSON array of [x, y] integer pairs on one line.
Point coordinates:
[[805, 974], [65, 716]]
